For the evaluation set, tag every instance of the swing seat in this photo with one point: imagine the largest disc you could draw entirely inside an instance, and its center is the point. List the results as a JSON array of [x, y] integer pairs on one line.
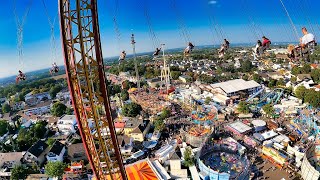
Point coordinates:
[[56, 69], [21, 78]]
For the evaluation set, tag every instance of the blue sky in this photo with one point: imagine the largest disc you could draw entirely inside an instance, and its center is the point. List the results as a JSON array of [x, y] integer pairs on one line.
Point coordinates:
[[234, 18]]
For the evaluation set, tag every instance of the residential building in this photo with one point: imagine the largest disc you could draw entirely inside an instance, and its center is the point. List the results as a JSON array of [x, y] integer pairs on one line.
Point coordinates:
[[154, 82], [17, 106], [126, 144], [76, 152], [306, 83], [36, 153], [66, 124], [63, 95], [140, 132], [175, 162], [131, 124], [303, 77], [185, 78], [38, 177], [119, 125], [275, 75], [8, 161], [314, 66], [33, 99], [56, 152], [39, 109]]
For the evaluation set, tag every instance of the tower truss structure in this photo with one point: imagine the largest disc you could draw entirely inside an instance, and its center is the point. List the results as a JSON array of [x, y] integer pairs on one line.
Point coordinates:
[[87, 84]]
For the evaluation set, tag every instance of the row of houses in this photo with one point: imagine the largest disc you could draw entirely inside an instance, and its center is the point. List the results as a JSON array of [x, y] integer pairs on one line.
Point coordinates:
[[40, 153]]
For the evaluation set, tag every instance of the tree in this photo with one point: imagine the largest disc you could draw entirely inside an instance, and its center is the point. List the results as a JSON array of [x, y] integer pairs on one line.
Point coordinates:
[[6, 108], [127, 85], [55, 169], [243, 107], [124, 95], [306, 69], [54, 90], [281, 82], [312, 97], [3, 127], [300, 92], [19, 172], [58, 109], [51, 141], [207, 100], [293, 79], [206, 79], [69, 111], [268, 109], [296, 70], [131, 109], [272, 83], [246, 66], [188, 157], [256, 78], [191, 74], [165, 113], [175, 74], [158, 124], [315, 74], [39, 129], [25, 139]]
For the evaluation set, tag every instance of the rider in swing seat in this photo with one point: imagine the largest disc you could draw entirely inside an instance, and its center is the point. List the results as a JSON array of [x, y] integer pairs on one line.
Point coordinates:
[[20, 77], [307, 42], [305, 48], [188, 49], [265, 44], [224, 47], [157, 52], [54, 68], [122, 56]]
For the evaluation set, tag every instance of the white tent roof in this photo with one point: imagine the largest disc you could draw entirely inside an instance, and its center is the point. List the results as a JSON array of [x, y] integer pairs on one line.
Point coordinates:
[[269, 134], [240, 127], [258, 123], [236, 85]]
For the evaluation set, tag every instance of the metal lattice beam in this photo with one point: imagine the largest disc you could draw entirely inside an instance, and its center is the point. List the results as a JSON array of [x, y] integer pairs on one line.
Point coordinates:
[[87, 84]]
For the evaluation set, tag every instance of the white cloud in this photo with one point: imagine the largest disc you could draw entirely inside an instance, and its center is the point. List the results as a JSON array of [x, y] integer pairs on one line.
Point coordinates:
[[213, 2]]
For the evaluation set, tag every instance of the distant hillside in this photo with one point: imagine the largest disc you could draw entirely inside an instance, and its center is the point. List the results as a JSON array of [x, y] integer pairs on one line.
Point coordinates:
[[31, 76]]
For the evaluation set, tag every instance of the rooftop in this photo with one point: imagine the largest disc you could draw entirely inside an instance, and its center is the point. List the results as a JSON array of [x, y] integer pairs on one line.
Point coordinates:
[[76, 149], [236, 85], [41, 104], [56, 148], [240, 127], [68, 118], [133, 123], [10, 156], [38, 148], [269, 134], [142, 169], [258, 123]]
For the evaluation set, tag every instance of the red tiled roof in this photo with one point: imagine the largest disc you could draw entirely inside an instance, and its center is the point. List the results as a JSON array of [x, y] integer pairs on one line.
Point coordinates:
[[314, 66], [119, 124]]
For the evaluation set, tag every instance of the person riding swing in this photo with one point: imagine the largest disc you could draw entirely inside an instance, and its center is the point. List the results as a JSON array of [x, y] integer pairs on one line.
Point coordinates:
[[122, 56], [20, 77], [54, 69], [157, 52], [305, 48], [224, 47], [188, 49]]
